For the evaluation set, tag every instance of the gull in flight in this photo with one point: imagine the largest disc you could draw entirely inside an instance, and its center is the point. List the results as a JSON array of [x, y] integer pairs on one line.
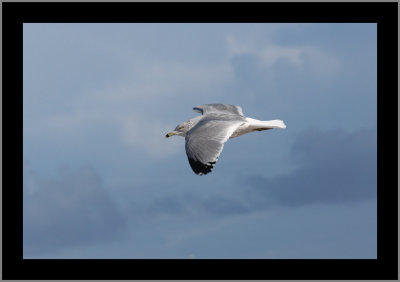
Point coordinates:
[[205, 135]]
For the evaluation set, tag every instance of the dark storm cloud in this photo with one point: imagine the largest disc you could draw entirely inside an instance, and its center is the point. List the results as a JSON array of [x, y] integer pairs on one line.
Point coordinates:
[[333, 167], [193, 203], [70, 210], [166, 205], [223, 205]]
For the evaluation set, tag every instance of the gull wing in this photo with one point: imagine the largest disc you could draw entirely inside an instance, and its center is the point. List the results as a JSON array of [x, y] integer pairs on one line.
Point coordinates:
[[205, 141], [219, 108]]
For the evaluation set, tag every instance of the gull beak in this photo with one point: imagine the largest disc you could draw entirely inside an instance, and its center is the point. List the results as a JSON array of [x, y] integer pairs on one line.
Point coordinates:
[[172, 133]]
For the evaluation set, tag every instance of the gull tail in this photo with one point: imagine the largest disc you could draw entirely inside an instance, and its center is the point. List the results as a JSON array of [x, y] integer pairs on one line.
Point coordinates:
[[255, 124], [277, 123]]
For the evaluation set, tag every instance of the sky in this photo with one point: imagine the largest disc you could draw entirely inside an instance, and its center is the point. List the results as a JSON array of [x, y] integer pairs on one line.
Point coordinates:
[[100, 180]]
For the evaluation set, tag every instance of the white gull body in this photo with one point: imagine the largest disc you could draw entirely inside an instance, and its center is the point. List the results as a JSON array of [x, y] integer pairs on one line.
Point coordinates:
[[205, 135]]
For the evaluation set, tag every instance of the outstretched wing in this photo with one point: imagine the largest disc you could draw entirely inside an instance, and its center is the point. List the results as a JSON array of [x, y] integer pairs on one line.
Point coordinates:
[[205, 141], [219, 108]]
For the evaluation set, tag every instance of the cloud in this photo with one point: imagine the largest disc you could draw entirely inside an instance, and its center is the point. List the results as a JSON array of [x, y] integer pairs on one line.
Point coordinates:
[[135, 109], [300, 58], [333, 167], [71, 210], [269, 53], [191, 203], [306, 232]]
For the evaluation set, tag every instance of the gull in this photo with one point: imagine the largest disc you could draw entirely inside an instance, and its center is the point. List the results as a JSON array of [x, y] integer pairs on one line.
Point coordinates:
[[205, 135]]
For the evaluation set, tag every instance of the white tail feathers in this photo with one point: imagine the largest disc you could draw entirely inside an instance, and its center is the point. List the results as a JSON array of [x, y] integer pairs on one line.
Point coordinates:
[[274, 123], [257, 125], [254, 124]]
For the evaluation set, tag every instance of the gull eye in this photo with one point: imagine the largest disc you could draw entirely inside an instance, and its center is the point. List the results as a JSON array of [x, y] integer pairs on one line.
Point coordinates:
[[180, 127]]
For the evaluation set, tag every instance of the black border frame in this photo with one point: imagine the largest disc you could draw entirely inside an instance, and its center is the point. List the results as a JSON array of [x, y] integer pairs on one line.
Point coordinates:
[[386, 17]]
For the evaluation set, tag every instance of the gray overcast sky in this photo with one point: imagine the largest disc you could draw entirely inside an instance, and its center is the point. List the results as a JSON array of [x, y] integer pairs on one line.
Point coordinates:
[[102, 181]]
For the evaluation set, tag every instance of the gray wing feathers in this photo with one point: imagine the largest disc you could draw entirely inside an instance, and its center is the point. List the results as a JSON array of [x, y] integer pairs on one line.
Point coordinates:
[[218, 108], [205, 141]]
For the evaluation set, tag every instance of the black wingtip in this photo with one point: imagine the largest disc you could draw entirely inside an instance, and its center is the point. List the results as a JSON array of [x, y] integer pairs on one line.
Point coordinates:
[[201, 168], [198, 110]]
